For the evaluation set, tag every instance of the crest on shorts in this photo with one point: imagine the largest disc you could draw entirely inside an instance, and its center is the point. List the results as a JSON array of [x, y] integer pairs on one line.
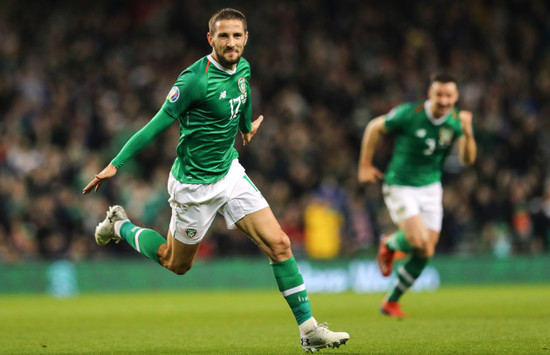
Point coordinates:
[[242, 85], [401, 210], [445, 135], [191, 233]]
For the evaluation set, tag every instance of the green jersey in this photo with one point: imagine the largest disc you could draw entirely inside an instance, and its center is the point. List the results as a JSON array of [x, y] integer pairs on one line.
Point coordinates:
[[211, 104], [421, 144]]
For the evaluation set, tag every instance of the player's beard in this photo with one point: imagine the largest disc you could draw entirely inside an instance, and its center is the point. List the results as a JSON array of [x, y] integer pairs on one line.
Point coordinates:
[[228, 63], [442, 110]]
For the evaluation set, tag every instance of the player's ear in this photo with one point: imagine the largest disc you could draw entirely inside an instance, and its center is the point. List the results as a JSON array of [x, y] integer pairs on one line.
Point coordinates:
[[245, 37], [209, 38], [430, 91]]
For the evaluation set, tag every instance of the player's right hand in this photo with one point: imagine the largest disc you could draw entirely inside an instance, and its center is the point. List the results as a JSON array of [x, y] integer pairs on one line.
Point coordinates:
[[255, 125], [100, 178], [466, 122], [369, 174]]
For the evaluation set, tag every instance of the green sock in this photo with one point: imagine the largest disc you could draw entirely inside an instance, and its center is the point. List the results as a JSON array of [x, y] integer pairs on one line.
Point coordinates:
[[291, 284], [397, 241], [145, 241], [406, 276]]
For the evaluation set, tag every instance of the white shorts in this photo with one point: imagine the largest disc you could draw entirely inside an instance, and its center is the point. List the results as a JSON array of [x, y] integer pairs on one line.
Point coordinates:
[[404, 202], [194, 206]]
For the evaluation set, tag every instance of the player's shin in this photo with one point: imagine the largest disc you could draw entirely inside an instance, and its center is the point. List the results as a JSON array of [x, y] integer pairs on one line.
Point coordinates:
[[398, 242], [146, 241], [291, 284], [406, 276]]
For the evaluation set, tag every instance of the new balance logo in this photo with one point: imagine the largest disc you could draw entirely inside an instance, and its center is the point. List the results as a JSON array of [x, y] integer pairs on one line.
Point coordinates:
[[223, 94]]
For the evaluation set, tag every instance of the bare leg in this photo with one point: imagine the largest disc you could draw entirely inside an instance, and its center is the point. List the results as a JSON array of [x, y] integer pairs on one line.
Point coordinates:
[[423, 240], [177, 256], [262, 227]]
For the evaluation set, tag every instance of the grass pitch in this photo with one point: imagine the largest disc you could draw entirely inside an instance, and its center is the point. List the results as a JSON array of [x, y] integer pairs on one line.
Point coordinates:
[[465, 320]]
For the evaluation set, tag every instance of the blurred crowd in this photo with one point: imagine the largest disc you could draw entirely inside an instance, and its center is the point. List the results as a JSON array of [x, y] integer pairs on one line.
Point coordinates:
[[78, 78]]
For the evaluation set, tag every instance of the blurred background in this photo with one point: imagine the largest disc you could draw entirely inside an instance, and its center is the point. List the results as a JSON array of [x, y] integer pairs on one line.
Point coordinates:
[[78, 78]]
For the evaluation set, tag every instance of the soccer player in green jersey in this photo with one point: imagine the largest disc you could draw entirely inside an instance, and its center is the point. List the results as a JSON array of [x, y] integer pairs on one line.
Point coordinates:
[[424, 135], [211, 101]]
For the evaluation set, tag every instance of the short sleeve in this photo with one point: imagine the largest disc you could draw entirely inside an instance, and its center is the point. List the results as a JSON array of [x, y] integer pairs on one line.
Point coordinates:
[[245, 123]]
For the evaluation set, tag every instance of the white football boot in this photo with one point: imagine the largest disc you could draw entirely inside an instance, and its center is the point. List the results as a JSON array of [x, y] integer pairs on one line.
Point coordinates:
[[105, 231], [321, 337]]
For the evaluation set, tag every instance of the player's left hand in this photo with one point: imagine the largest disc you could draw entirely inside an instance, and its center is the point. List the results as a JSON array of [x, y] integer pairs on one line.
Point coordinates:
[[466, 122], [100, 178], [255, 125]]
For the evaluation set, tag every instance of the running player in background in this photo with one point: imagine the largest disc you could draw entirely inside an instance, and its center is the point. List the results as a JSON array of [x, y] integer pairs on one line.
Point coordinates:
[[211, 101], [424, 136]]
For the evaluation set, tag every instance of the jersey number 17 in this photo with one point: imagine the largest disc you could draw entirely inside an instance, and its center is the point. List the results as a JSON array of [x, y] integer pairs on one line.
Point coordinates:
[[235, 105]]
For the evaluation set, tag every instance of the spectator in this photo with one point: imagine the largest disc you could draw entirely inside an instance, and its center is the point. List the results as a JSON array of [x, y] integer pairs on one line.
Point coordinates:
[[75, 76]]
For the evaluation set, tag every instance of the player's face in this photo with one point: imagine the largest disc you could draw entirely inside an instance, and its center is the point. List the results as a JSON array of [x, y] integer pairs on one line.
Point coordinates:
[[443, 97], [228, 41]]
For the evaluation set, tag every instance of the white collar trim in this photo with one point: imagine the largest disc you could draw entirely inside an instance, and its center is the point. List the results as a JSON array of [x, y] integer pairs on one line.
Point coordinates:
[[219, 66], [436, 121]]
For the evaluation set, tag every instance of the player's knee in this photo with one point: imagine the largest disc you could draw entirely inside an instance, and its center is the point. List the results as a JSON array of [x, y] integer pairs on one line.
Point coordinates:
[[280, 247], [179, 268], [417, 243], [425, 250], [421, 247], [429, 251]]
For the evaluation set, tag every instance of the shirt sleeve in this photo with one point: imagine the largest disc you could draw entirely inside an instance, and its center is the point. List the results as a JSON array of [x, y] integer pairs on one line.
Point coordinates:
[[186, 91], [245, 122], [396, 118], [141, 139]]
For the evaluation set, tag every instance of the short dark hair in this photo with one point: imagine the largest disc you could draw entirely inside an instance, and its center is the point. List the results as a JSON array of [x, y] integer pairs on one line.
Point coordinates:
[[226, 14], [442, 78]]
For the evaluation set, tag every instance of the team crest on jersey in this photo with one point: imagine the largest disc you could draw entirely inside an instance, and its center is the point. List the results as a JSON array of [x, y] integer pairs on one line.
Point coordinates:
[[191, 233], [173, 95], [242, 85], [445, 135]]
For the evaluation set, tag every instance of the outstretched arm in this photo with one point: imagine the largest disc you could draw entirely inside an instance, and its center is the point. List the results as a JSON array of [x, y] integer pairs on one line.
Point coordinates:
[[135, 144], [247, 137], [467, 147], [366, 172]]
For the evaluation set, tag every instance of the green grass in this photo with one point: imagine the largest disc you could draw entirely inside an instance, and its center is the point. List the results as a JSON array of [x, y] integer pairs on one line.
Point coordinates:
[[465, 320]]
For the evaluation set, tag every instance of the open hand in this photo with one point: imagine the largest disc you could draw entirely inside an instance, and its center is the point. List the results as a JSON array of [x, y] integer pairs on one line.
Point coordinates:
[[255, 125], [100, 178], [369, 174]]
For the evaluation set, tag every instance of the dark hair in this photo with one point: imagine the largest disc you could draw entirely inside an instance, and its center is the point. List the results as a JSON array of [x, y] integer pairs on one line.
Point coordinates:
[[442, 78], [226, 14]]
